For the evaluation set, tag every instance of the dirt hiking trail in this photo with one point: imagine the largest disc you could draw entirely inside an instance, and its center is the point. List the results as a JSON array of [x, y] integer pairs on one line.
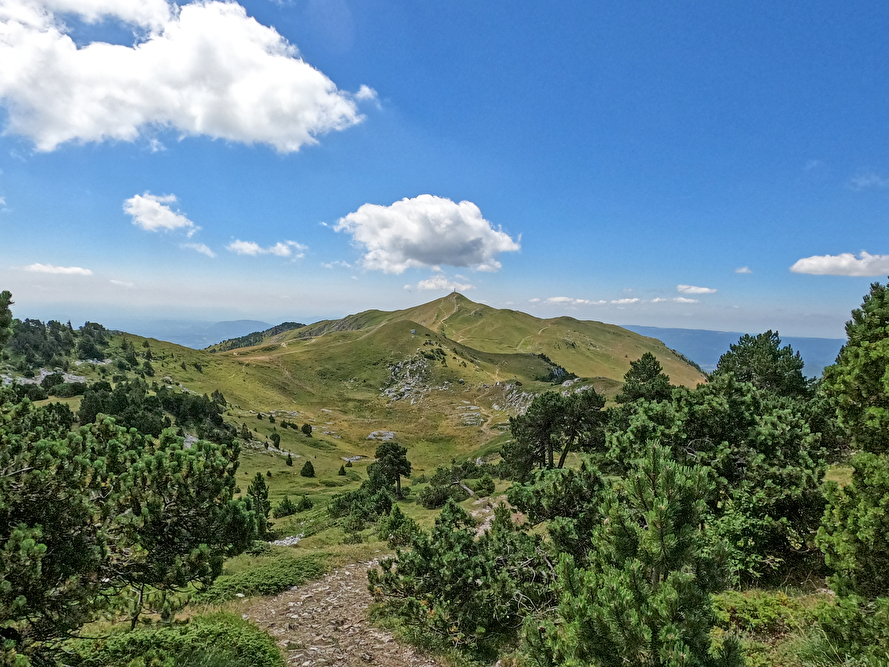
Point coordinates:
[[324, 623]]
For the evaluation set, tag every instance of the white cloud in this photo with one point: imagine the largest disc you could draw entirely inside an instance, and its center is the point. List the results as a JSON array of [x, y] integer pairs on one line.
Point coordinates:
[[678, 299], [425, 232], [335, 264], [534, 300], [845, 264], [280, 249], [692, 289], [570, 300], [203, 69], [153, 213], [868, 179], [440, 283], [122, 283], [153, 14], [627, 300], [199, 247], [743, 269], [60, 270]]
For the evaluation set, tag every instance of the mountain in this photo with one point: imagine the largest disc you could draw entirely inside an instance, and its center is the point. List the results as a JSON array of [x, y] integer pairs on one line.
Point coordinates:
[[585, 348], [705, 347]]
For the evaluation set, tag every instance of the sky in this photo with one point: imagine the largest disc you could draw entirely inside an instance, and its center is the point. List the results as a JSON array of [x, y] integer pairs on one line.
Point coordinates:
[[687, 164]]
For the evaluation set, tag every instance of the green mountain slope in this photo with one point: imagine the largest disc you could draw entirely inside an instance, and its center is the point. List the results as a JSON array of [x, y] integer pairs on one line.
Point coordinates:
[[585, 348]]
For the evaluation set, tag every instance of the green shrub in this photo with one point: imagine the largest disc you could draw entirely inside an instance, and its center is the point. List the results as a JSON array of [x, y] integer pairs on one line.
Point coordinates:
[[342, 471], [215, 640], [270, 575], [484, 486], [304, 504], [398, 529], [756, 612], [308, 470], [285, 508]]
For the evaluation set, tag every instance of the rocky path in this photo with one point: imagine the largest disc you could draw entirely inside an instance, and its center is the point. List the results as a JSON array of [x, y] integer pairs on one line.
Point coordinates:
[[324, 624]]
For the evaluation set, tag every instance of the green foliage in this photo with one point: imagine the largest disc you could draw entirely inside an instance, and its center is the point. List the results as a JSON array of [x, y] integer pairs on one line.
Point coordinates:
[[391, 464], [760, 613], [285, 508], [307, 430], [644, 598], [305, 503], [855, 540], [132, 404], [5, 317], [289, 459], [761, 361], [554, 422], [103, 515], [397, 529], [216, 640], [472, 592], [645, 381], [276, 439], [568, 501], [308, 470], [269, 575], [342, 471], [858, 382], [484, 486], [764, 458], [258, 499]]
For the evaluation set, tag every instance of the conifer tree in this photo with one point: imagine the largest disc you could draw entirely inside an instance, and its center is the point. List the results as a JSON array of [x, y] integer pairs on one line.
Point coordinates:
[[644, 600], [308, 470], [258, 493], [645, 380]]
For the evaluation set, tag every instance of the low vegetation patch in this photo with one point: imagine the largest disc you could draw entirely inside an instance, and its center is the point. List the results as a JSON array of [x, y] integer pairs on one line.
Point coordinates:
[[265, 575], [214, 640]]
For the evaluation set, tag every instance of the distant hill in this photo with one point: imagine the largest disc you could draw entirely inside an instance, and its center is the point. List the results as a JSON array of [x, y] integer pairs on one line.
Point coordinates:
[[705, 347], [196, 335], [585, 348], [254, 338]]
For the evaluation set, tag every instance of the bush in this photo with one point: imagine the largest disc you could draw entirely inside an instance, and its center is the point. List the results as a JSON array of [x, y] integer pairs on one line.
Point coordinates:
[[307, 430], [308, 470], [289, 460], [285, 508], [484, 486], [216, 640], [399, 530], [304, 504], [270, 575], [342, 471]]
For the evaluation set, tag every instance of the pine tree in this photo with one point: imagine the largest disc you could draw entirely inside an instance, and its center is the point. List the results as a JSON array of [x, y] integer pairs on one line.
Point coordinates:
[[289, 460], [308, 470], [645, 380], [644, 600], [258, 493]]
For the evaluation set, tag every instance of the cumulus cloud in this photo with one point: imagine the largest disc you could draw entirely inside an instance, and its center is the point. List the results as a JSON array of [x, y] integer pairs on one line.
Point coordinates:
[[425, 232], [280, 249], [743, 269], [339, 263], [626, 300], [153, 213], [60, 270], [203, 69], [199, 247], [868, 179], [845, 264], [440, 282], [692, 289]]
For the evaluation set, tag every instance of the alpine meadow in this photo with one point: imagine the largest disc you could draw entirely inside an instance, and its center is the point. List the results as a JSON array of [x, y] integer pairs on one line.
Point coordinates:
[[443, 334]]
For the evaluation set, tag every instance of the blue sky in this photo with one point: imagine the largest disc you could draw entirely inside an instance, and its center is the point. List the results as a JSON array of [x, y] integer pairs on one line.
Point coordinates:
[[689, 164]]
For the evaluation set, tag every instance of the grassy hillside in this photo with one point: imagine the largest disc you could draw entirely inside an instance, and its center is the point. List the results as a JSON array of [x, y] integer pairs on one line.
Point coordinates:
[[586, 348]]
